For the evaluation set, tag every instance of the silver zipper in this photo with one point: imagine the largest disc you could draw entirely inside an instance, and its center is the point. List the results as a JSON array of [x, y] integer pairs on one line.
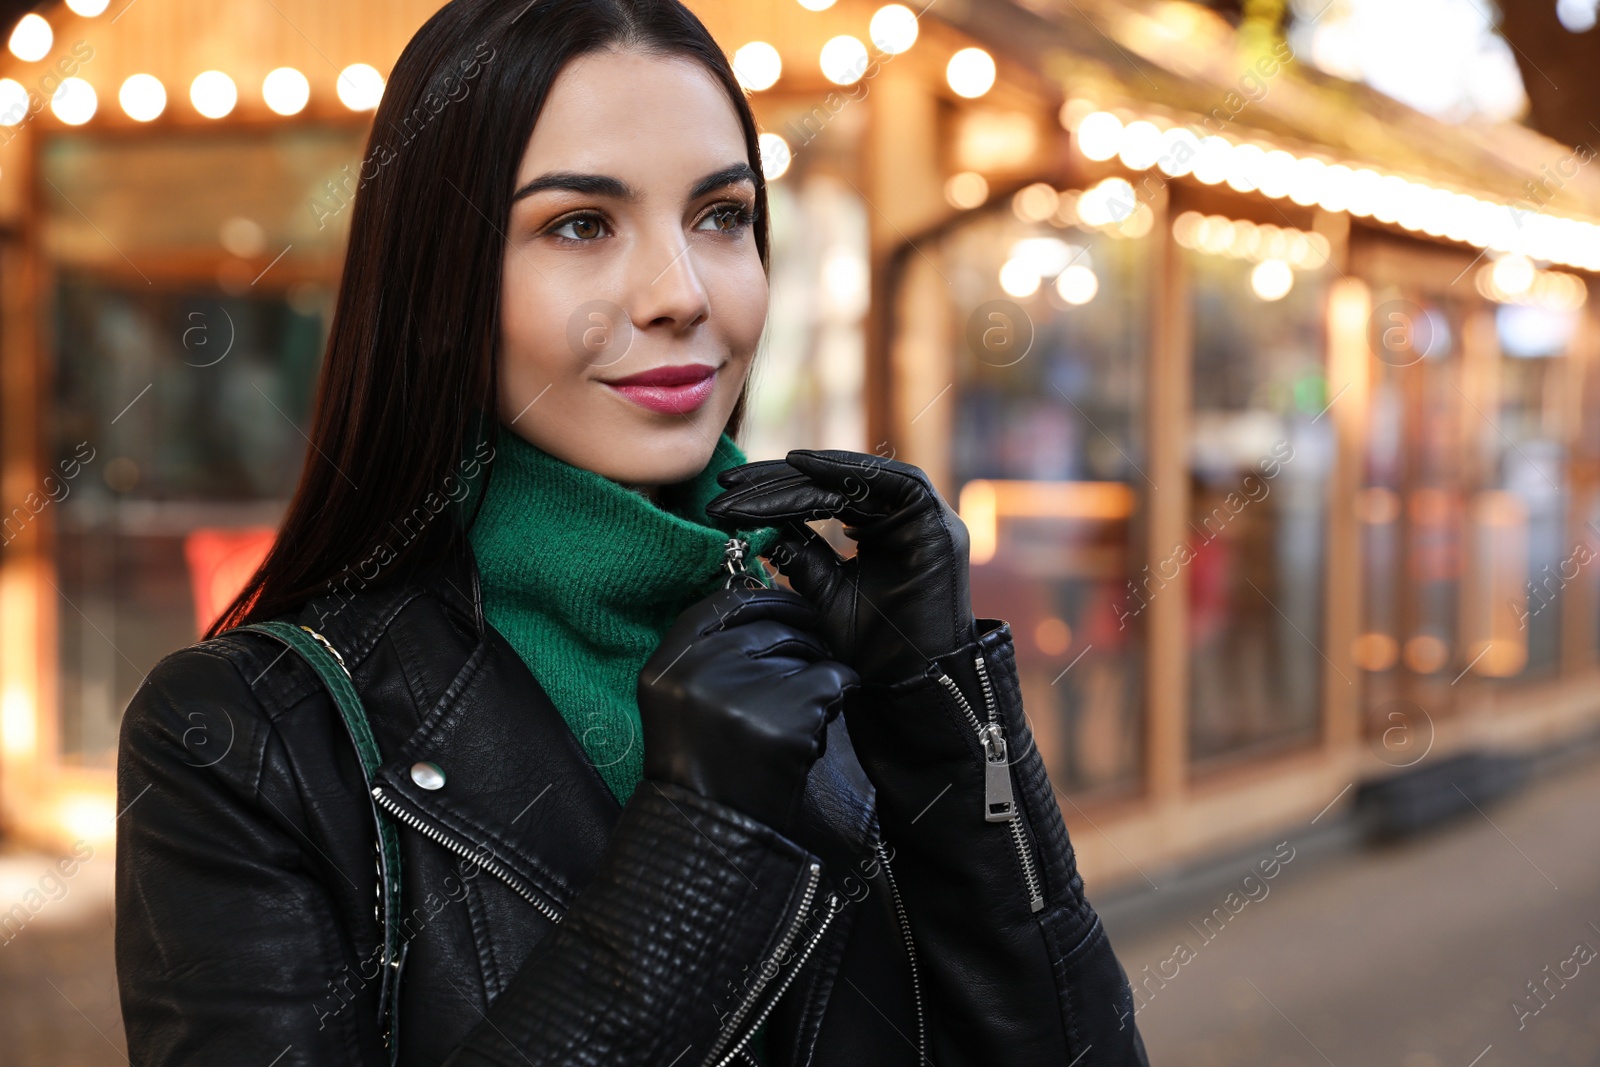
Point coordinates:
[[834, 908], [494, 867], [999, 803], [761, 982], [911, 951]]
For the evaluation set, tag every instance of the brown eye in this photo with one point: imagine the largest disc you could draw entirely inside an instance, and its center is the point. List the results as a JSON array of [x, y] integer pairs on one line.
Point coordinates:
[[730, 218], [584, 227]]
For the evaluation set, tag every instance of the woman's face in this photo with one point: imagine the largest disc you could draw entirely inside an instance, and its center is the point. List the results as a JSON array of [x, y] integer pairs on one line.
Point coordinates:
[[633, 206]]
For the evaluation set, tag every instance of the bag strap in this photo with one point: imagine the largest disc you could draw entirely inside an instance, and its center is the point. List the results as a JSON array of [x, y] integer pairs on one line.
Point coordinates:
[[330, 667]]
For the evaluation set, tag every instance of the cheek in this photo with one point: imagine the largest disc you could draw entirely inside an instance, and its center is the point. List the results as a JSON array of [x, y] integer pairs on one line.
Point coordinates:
[[532, 330], [741, 298]]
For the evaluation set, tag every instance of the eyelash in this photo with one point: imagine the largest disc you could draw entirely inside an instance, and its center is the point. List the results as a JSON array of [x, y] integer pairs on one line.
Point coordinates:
[[743, 215]]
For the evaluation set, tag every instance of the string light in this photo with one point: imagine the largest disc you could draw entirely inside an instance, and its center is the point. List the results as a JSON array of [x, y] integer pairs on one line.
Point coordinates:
[[1107, 202], [757, 66], [1019, 278], [893, 28], [775, 156], [970, 73], [13, 102], [143, 97], [1515, 280], [213, 94], [74, 102], [1242, 239], [1098, 135], [1334, 186], [1271, 279], [31, 39], [966, 190], [1036, 202], [844, 60], [286, 90], [360, 87], [1077, 284]]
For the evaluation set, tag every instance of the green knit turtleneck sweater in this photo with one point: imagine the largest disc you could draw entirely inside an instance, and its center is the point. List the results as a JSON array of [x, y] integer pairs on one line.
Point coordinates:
[[584, 576]]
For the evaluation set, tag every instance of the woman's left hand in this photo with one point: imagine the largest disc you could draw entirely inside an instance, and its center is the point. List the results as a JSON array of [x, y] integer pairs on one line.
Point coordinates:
[[902, 600]]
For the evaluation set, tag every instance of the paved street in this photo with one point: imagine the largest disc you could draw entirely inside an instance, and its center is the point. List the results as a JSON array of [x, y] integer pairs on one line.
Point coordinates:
[[58, 987], [1410, 956]]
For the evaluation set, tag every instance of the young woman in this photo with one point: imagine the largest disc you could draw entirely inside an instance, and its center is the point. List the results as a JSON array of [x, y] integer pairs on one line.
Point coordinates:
[[651, 808]]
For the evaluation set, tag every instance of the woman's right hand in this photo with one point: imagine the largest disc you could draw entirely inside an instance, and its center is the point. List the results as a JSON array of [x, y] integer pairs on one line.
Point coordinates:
[[736, 701]]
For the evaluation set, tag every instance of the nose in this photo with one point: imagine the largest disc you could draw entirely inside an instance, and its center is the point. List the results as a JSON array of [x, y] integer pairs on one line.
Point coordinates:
[[665, 284]]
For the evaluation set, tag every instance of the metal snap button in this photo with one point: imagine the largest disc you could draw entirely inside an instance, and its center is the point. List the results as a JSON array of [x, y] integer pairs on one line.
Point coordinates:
[[427, 775]]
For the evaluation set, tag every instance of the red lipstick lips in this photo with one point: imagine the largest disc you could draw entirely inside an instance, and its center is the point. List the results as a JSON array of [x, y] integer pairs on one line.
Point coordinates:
[[675, 390]]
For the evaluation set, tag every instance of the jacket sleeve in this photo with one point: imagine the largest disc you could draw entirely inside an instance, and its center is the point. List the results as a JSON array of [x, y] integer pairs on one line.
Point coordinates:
[[227, 935], [1016, 963]]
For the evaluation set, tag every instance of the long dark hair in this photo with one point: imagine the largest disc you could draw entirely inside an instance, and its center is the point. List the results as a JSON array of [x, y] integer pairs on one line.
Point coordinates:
[[408, 384]]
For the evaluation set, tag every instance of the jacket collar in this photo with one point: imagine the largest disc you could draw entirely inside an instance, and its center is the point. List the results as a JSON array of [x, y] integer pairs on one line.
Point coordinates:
[[356, 611]]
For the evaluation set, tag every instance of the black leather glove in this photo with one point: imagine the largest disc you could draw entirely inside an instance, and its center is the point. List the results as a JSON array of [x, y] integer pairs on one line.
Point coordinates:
[[736, 701], [902, 600]]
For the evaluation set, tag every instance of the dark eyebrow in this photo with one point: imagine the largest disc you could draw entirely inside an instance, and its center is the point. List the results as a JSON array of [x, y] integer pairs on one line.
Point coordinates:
[[617, 189]]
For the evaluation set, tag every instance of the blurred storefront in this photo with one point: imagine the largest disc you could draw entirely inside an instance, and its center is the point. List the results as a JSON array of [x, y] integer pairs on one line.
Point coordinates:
[[1269, 403]]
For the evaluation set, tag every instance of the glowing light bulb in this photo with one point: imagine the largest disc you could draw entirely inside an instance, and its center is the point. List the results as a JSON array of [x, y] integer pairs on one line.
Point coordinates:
[[213, 94], [142, 97], [1213, 163], [1513, 275], [966, 190], [31, 39], [1019, 278], [970, 72], [13, 102], [844, 60], [1099, 135], [1077, 284], [1271, 279], [360, 87], [1179, 147], [286, 91], [757, 66], [775, 156], [893, 28], [1036, 202], [74, 102], [1141, 145]]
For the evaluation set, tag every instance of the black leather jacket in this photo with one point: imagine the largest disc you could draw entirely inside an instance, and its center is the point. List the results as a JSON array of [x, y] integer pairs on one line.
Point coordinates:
[[548, 924]]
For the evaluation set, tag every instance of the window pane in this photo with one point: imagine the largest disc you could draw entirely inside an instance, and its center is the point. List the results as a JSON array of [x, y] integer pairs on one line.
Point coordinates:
[[192, 287], [1530, 465], [1260, 452], [1048, 449]]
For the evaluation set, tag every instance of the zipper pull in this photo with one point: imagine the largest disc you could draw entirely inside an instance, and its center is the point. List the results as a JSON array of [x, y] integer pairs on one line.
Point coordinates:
[[733, 551], [998, 805]]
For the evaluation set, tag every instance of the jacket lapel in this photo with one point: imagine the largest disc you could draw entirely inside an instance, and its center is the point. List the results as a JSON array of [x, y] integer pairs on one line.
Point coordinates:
[[513, 788]]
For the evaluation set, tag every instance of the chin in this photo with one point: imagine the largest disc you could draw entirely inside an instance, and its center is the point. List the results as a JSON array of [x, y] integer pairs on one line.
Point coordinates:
[[667, 454]]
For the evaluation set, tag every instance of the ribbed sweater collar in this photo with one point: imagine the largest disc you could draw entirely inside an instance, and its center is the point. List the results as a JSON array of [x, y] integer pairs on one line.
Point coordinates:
[[583, 576]]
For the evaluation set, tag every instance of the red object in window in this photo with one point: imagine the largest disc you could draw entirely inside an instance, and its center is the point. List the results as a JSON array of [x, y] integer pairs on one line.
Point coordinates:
[[221, 561]]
